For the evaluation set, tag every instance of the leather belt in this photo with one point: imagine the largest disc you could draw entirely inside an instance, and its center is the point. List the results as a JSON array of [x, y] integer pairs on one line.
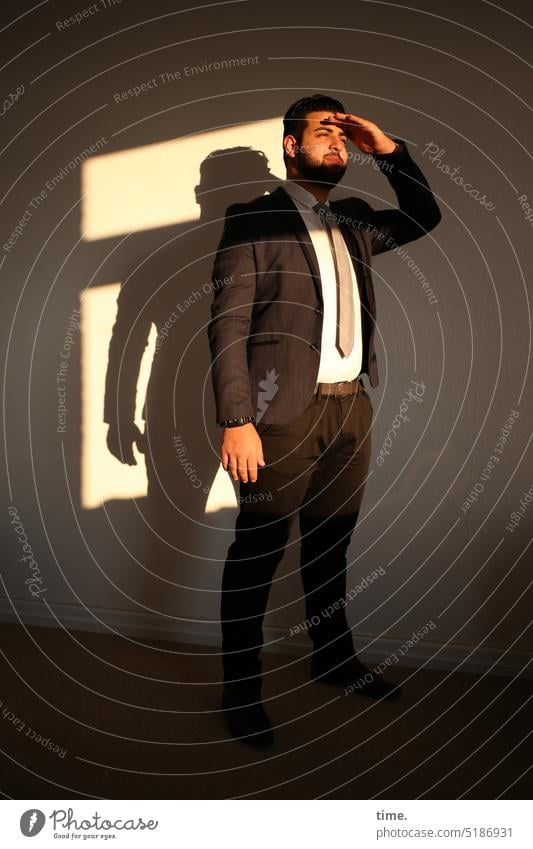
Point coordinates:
[[343, 387]]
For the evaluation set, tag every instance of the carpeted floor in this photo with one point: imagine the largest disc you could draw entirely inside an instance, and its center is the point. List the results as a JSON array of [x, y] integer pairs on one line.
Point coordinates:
[[87, 715]]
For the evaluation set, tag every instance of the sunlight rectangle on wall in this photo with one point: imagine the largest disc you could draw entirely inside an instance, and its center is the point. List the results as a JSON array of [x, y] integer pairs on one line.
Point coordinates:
[[153, 185], [103, 476]]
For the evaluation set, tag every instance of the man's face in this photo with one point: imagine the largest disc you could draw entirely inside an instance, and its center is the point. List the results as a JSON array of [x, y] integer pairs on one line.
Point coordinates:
[[321, 155]]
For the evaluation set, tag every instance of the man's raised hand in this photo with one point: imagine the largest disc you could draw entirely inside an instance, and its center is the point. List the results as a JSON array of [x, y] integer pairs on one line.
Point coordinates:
[[364, 134]]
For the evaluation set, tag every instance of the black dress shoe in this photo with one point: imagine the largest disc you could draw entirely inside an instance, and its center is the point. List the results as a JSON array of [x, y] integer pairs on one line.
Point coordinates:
[[247, 719], [356, 678]]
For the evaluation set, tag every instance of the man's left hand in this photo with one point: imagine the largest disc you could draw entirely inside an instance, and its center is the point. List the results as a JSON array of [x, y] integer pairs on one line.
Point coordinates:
[[364, 134]]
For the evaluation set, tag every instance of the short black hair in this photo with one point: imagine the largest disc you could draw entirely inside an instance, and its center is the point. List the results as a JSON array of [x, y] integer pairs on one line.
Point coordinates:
[[293, 120]]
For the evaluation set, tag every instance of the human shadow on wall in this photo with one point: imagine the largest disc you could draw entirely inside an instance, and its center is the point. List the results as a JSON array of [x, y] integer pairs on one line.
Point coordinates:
[[169, 287]]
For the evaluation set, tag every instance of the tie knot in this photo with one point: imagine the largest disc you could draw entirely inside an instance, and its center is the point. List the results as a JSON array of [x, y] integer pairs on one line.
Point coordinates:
[[323, 211]]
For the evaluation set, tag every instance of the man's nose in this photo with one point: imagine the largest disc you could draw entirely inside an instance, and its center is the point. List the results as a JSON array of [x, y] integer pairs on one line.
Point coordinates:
[[337, 147]]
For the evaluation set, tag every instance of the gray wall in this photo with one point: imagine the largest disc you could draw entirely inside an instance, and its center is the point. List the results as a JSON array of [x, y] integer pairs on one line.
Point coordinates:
[[454, 315]]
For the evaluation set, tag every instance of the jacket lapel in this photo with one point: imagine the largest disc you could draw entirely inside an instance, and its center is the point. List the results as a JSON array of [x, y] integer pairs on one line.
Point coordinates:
[[283, 203]]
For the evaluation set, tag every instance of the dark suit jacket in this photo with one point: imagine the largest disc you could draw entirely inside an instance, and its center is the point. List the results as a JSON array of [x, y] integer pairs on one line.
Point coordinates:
[[266, 315]]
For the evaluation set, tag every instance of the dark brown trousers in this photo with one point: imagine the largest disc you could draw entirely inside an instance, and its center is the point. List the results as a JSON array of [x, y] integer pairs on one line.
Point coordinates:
[[316, 468]]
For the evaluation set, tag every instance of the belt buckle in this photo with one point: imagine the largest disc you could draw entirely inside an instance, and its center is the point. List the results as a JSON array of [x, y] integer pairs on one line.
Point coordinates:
[[338, 385], [336, 388]]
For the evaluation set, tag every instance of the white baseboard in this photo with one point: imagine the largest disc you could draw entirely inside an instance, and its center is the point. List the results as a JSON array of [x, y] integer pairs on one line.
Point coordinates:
[[146, 626]]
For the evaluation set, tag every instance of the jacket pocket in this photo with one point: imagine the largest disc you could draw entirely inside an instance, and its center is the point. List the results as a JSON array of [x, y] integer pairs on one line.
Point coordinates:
[[264, 341]]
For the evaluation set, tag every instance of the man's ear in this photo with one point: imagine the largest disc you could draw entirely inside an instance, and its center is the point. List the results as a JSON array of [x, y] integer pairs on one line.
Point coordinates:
[[290, 146]]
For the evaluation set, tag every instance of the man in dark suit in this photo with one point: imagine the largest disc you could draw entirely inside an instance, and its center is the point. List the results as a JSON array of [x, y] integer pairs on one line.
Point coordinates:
[[291, 333]]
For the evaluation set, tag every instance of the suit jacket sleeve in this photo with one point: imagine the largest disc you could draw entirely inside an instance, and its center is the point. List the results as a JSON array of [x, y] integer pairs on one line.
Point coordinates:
[[233, 281], [418, 212]]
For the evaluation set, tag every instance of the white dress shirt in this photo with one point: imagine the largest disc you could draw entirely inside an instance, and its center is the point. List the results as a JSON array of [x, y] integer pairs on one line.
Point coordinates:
[[333, 366]]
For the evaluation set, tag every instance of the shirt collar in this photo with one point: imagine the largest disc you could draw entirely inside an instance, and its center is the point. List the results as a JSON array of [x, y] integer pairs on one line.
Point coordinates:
[[299, 194]]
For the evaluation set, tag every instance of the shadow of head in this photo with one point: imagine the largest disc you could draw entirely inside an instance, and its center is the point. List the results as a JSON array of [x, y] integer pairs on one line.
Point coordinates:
[[232, 175]]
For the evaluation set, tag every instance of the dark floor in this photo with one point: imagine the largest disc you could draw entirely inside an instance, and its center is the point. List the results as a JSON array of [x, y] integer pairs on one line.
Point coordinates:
[[137, 721]]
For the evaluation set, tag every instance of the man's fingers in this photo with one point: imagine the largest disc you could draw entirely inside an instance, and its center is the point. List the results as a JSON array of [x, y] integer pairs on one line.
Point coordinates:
[[343, 119], [232, 467], [242, 469], [224, 456], [239, 471], [252, 470], [347, 117], [237, 468]]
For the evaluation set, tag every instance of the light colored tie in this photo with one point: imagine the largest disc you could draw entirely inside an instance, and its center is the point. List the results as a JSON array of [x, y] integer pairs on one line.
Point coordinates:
[[343, 274]]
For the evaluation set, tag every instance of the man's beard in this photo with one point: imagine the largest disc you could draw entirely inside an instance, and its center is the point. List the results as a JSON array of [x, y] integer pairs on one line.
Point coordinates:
[[325, 173]]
